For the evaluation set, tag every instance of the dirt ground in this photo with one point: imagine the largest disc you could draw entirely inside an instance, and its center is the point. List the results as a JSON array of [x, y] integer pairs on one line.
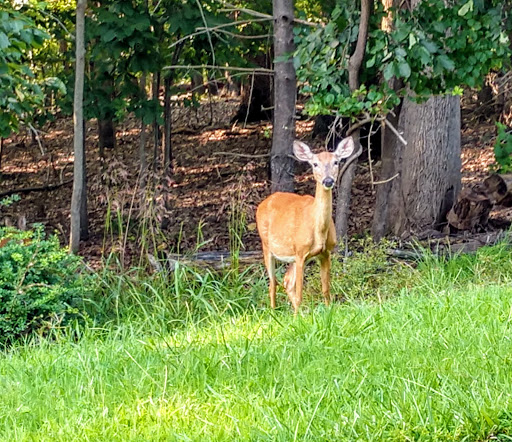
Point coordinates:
[[220, 175]]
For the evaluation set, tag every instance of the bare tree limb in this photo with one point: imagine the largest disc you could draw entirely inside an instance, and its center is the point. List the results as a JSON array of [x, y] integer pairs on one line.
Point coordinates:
[[208, 31], [232, 8], [49, 14], [242, 155], [38, 139], [393, 129], [396, 175], [223, 68], [216, 28]]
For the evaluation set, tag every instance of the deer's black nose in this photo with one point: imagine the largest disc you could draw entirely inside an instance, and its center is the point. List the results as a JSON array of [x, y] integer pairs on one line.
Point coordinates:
[[328, 183]]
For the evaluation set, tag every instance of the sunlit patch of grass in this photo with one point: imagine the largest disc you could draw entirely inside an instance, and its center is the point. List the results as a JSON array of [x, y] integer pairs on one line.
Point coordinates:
[[435, 367]]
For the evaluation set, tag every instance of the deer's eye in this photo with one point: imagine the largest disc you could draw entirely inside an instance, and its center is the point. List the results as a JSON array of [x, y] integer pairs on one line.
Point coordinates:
[[315, 164], [336, 162]]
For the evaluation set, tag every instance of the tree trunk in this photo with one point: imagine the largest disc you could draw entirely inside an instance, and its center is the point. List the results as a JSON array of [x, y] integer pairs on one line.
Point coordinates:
[[345, 185], [166, 145], [427, 170], [423, 178], [387, 172], [285, 91], [106, 134], [79, 162], [156, 126], [142, 140], [84, 218]]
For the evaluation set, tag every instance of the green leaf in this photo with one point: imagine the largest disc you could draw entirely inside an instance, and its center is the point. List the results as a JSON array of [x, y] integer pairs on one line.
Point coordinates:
[[400, 52], [466, 8], [424, 55], [446, 63], [108, 36], [412, 40], [430, 46], [404, 69], [4, 41], [401, 34], [389, 71]]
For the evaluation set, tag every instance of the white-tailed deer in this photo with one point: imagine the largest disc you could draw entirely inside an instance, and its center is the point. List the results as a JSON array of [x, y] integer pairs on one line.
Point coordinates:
[[295, 228]]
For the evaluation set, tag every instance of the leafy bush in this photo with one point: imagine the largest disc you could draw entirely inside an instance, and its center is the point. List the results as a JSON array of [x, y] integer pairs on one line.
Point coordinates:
[[39, 283]]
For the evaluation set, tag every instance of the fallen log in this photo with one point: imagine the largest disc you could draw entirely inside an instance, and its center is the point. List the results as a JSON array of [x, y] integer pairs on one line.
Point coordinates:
[[216, 260], [35, 188]]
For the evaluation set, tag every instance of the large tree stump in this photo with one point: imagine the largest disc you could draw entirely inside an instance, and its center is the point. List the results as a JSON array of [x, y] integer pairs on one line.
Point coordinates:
[[471, 211]]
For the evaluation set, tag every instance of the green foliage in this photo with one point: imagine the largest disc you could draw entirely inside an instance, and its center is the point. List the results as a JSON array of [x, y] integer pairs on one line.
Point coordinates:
[[39, 284], [20, 93], [9, 200], [434, 49], [503, 148]]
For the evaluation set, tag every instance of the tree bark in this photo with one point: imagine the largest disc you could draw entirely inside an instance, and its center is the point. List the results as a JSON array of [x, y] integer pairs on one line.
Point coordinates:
[[84, 217], [142, 140], [345, 185], [167, 149], [79, 162], [427, 170], [156, 126], [285, 91]]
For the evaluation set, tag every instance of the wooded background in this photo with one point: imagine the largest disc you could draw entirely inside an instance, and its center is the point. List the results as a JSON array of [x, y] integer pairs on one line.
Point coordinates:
[[390, 74]]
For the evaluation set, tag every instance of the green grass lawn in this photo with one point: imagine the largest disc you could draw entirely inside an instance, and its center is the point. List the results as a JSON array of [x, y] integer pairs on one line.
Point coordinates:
[[424, 364]]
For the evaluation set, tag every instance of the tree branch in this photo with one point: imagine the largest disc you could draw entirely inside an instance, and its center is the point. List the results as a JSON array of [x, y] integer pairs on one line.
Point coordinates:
[[254, 13], [224, 68], [357, 57], [216, 28]]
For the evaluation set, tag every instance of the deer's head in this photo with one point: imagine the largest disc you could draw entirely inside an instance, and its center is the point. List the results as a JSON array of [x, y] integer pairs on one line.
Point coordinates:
[[325, 164]]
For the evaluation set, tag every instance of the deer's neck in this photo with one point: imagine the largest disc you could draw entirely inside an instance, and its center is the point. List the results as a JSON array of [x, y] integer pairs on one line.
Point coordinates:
[[323, 208]]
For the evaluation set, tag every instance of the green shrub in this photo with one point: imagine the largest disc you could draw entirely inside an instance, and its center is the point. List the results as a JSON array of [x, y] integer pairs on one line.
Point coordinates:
[[39, 284]]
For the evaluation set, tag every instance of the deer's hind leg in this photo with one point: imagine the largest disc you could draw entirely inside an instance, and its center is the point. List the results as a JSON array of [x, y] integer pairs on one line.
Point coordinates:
[[299, 282], [289, 282], [270, 264]]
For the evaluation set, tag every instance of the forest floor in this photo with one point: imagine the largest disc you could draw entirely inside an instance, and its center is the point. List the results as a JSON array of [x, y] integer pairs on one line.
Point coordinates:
[[220, 175]]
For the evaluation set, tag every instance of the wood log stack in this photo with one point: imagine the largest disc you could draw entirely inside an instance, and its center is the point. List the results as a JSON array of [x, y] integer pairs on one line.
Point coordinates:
[[473, 206]]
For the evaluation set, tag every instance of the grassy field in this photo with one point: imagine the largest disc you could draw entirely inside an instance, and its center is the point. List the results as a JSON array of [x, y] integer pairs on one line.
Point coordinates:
[[200, 357]]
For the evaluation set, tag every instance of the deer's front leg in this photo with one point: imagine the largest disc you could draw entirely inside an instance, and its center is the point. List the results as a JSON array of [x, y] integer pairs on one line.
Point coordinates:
[[325, 276]]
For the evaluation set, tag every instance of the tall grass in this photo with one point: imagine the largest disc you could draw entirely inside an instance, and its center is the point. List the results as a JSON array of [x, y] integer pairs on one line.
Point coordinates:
[[419, 354]]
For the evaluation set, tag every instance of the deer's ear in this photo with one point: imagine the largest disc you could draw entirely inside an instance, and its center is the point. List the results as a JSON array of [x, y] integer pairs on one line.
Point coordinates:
[[302, 151], [345, 148]]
